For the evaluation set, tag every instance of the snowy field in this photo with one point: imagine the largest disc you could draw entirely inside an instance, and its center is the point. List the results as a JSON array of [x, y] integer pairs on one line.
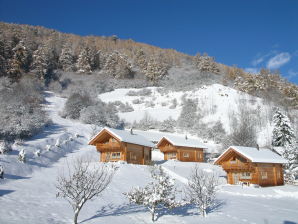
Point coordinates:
[[28, 194]]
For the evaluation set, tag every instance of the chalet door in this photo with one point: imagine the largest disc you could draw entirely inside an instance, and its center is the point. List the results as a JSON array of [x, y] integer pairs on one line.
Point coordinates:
[[236, 177]]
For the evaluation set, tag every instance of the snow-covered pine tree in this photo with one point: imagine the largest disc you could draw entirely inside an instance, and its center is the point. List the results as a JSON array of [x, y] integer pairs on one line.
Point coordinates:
[[283, 133], [158, 193], [43, 62], [118, 66], [83, 62], [205, 63], [283, 136], [66, 59]]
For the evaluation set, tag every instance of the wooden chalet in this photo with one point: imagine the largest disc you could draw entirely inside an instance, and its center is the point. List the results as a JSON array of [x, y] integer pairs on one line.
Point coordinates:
[[182, 149], [115, 145], [252, 166]]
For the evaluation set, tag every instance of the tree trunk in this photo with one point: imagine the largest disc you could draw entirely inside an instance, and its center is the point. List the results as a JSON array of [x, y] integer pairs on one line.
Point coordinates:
[[76, 214], [152, 214]]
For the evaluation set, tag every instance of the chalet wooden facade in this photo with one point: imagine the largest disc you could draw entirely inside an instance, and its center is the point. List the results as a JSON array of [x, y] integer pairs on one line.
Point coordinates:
[[115, 145], [182, 149], [252, 166]]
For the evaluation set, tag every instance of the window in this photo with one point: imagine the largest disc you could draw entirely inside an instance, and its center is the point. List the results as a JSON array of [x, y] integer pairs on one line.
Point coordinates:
[[116, 155], [246, 175], [172, 155], [186, 154], [113, 140], [264, 175]]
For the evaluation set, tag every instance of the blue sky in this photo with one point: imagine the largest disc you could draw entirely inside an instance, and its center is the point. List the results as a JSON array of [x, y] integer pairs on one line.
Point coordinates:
[[250, 34]]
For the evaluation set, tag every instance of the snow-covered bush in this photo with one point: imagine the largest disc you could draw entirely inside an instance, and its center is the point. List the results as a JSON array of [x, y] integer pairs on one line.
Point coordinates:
[[101, 114], [142, 92], [146, 123], [168, 125], [174, 104], [58, 143], [21, 114], [83, 182], [156, 194], [22, 156], [37, 153], [188, 114], [201, 189], [4, 147], [1, 172], [125, 108], [137, 101], [48, 147], [75, 103]]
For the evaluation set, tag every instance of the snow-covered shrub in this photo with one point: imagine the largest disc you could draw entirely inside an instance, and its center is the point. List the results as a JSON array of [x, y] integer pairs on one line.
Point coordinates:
[[58, 143], [174, 104], [22, 156], [125, 108], [1, 172], [142, 92], [201, 190], [149, 104], [37, 153], [146, 123], [48, 147], [75, 103], [4, 147], [156, 194], [101, 114], [188, 114], [21, 114], [137, 101], [168, 125], [216, 132]]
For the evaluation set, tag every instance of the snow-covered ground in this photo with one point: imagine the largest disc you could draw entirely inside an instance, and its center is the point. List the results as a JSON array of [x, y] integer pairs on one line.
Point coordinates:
[[28, 194], [217, 103]]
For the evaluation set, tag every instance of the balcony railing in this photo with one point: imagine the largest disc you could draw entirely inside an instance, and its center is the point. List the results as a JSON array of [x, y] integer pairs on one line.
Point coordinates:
[[108, 146], [237, 166]]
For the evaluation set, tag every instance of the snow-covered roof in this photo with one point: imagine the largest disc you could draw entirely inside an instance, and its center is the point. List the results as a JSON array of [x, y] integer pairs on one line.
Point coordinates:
[[261, 155], [126, 136], [183, 141]]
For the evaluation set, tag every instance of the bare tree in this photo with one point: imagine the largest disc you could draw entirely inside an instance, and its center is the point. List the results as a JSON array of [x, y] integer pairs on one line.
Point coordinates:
[[201, 189], [83, 182]]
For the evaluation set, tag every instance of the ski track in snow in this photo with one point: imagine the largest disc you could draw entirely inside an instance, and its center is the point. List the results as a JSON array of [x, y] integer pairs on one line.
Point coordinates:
[[32, 200]]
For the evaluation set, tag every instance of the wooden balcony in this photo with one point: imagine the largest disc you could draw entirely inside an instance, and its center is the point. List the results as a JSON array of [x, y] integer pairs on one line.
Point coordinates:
[[111, 146], [237, 166]]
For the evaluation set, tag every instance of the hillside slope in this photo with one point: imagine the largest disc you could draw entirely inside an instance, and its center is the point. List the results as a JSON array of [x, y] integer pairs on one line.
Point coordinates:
[[28, 192]]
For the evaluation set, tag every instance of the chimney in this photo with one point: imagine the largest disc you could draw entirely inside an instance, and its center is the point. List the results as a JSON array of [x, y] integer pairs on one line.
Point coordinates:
[[258, 148], [131, 132]]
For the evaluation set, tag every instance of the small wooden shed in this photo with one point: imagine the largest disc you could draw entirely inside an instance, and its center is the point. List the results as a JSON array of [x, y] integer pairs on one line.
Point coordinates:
[[115, 145], [252, 165], [182, 149]]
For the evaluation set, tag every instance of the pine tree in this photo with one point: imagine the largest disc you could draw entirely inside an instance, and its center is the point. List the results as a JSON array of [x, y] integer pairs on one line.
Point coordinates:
[[118, 66], [283, 133], [83, 63], [43, 62], [66, 59]]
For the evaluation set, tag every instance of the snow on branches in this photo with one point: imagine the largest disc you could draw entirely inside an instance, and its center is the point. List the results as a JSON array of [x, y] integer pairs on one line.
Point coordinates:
[[201, 189], [156, 194]]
